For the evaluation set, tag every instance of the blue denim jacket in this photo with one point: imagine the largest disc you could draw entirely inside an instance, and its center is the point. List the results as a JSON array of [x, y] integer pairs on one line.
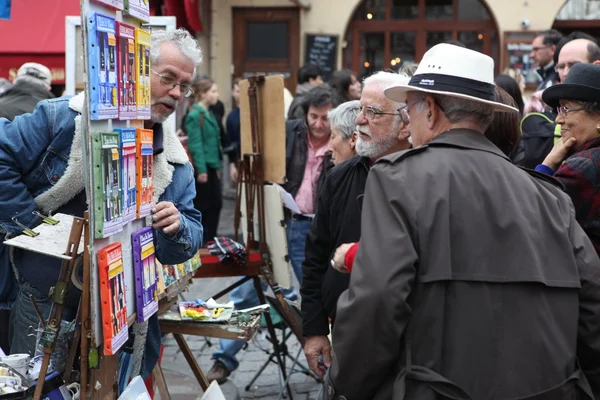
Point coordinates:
[[35, 151]]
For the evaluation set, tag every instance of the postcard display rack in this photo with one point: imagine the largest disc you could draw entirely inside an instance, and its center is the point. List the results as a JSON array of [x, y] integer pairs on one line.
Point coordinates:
[[126, 280]]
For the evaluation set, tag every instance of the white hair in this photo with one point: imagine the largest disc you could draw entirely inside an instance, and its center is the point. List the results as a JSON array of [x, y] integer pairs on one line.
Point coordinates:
[[343, 118], [457, 109], [384, 80], [181, 39]]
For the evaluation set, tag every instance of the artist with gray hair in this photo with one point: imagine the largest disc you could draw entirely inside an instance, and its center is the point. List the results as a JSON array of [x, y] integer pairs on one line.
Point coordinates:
[[32, 85], [382, 126], [473, 279], [41, 170], [342, 142]]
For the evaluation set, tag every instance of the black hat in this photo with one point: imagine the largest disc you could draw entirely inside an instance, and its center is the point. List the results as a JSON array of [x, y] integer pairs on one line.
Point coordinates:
[[582, 84]]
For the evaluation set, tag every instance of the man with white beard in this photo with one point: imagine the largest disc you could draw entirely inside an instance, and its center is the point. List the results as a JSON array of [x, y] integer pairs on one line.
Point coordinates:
[[382, 127]]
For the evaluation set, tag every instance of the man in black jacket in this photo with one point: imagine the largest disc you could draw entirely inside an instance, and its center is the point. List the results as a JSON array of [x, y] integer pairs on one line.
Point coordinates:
[[382, 129], [31, 86], [306, 161]]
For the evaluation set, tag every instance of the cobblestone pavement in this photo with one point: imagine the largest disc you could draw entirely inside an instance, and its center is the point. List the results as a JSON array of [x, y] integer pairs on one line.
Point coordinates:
[[180, 379]]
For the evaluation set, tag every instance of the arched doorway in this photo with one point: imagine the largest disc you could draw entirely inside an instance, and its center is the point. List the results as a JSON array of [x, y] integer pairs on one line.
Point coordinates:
[[579, 15], [386, 33]]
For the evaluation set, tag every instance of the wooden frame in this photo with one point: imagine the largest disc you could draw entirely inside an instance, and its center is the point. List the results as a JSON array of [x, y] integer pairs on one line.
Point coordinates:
[[420, 27], [287, 66]]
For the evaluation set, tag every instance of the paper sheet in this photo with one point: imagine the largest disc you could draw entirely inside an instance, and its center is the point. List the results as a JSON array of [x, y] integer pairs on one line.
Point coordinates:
[[290, 203]]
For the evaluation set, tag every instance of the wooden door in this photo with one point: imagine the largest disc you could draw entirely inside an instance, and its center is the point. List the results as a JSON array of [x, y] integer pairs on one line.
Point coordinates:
[[267, 40]]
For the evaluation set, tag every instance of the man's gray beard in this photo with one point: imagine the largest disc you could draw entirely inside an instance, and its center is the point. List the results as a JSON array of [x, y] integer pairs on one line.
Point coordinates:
[[375, 148]]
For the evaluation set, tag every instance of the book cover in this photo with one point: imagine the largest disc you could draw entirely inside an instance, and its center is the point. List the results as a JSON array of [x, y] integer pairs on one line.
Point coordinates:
[[103, 67], [116, 4], [108, 205], [128, 179], [145, 273], [160, 278], [126, 69], [145, 172], [113, 297], [142, 61], [170, 274], [139, 9]]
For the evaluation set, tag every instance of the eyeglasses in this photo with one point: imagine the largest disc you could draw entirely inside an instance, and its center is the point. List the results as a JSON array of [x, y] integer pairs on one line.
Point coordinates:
[[566, 110], [170, 82], [561, 67], [407, 108], [370, 113]]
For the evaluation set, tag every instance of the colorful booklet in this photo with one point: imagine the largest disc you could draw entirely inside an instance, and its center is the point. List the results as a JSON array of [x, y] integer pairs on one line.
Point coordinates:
[[146, 281], [170, 274], [116, 4], [108, 205], [126, 71], [139, 9], [103, 67], [113, 298], [145, 172], [142, 62], [128, 178], [160, 278]]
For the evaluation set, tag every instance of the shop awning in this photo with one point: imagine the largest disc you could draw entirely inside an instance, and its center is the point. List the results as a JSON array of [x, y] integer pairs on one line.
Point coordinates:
[[187, 12], [35, 33]]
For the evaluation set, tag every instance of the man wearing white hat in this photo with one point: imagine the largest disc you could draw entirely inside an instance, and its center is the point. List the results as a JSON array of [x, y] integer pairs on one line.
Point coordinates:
[[32, 85], [472, 280]]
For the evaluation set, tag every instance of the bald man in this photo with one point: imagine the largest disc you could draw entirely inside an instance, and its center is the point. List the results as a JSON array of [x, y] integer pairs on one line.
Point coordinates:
[[575, 52]]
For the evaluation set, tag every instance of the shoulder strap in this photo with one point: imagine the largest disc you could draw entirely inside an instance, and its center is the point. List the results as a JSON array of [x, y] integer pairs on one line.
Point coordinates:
[[201, 120]]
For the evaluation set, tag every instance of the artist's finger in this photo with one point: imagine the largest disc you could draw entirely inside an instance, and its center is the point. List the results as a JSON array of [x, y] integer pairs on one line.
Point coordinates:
[[164, 222], [161, 205], [172, 229], [164, 213], [313, 364]]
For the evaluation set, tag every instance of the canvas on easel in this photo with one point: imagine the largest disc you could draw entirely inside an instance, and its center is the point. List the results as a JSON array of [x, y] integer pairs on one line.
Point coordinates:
[[272, 126]]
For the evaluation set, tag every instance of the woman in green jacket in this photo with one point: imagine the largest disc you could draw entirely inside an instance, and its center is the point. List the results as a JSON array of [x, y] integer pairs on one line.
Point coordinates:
[[204, 143]]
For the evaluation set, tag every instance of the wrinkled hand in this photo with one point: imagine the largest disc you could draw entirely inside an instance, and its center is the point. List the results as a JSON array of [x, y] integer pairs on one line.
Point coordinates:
[[219, 174], [202, 178], [233, 173], [559, 152], [339, 258], [165, 215], [316, 346]]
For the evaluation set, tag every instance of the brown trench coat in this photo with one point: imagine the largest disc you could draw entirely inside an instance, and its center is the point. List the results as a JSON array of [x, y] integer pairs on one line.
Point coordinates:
[[475, 268]]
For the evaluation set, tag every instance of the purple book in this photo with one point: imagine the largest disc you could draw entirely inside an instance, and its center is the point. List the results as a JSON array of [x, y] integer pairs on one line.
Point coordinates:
[[145, 273]]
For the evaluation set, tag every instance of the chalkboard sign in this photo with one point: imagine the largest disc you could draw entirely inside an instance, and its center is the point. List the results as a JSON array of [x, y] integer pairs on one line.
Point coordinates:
[[516, 56], [321, 50]]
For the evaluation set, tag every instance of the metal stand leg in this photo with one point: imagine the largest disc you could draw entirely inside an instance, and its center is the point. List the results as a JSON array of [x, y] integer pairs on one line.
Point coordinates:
[[272, 334]]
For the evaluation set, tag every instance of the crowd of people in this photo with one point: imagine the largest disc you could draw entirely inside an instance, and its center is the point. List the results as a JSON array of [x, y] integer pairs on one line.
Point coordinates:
[[449, 228]]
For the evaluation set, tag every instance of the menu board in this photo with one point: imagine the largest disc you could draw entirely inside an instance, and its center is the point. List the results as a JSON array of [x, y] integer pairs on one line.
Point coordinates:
[[322, 50], [517, 50]]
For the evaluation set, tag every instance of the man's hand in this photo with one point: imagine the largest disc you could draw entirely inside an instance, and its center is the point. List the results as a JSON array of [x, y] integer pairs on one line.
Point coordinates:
[[559, 152], [166, 216], [316, 346], [202, 178], [339, 258], [233, 173]]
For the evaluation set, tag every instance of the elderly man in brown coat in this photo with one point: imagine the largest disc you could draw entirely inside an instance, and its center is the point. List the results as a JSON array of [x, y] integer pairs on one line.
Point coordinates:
[[472, 280]]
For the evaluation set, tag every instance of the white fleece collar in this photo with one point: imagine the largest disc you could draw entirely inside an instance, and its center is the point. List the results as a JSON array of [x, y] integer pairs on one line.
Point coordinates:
[[72, 181]]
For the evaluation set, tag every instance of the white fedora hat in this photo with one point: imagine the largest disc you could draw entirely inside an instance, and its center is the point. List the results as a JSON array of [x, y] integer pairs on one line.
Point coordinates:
[[453, 71]]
